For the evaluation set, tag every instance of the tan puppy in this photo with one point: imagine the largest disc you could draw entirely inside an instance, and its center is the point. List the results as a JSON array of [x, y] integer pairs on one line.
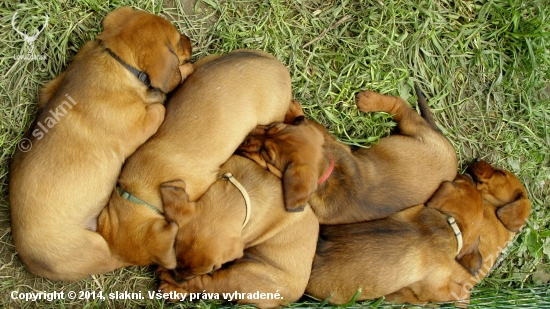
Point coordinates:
[[272, 254], [344, 186], [206, 120], [90, 119], [414, 247], [505, 210]]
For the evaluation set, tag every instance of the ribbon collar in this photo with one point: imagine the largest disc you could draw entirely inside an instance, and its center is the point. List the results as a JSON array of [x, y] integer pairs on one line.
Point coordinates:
[[229, 176], [458, 233]]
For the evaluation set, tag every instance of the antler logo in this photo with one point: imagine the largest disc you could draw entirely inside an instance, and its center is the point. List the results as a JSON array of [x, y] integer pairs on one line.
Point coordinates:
[[29, 39]]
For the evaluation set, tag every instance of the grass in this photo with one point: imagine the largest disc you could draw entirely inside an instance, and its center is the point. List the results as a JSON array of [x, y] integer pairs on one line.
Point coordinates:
[[484, 66]]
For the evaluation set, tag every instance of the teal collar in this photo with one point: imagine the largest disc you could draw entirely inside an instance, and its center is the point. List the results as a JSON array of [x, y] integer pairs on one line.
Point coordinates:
[[129, 197]]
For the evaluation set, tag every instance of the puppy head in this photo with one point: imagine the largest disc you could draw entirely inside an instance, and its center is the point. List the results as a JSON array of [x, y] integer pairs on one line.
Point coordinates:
[[136, 233], [503, 190], [150, 43], [463, 201], [294, 152], [205, 239]]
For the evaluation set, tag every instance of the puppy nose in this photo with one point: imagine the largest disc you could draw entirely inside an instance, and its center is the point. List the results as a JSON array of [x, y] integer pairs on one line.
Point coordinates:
[[476, 159]]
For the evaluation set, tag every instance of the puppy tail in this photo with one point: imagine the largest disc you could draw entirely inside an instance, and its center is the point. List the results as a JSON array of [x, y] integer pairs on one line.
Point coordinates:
[[425, 108]]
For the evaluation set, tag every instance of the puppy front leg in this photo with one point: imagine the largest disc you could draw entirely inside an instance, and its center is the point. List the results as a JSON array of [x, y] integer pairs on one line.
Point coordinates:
[[408, 120], [153, 119], [143, 129]]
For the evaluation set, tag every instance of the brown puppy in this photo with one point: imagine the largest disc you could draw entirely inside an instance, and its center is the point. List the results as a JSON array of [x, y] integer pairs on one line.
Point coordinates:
[[207, 118], [344, 186], [414, 247], [266, 255], [90, 119], [505, 209]]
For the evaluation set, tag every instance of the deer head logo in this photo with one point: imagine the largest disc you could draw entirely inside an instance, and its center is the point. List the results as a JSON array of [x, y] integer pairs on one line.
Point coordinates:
[[29, 39]]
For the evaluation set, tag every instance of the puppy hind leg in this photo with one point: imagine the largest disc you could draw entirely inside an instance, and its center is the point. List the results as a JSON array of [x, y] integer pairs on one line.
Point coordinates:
[[409, 122], [97, 257], [90, 255]]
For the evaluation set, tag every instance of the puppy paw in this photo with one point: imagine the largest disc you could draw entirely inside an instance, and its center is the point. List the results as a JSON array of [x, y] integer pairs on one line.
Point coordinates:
[[370, 101], [176, 293], [164, 274], [186, 70]]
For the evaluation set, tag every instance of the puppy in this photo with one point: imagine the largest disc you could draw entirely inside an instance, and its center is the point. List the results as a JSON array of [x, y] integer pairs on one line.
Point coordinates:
[[265, 254], [505, 210], [344, 186], [91, 118], [416, 247], [207, 118]]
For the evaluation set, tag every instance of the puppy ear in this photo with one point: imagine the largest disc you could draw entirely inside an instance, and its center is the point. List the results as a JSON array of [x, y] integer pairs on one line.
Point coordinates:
[[187, 68], [162, 238], [441, 195], [299, 182], [471, 258], [294, 111], [299, 120], [185, 45], [162, 66], [175, 200], [514, 215]]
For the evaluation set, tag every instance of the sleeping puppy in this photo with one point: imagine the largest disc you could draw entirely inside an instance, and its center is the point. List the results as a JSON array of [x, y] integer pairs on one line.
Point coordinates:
[[416, 247], [265, 254], [207, 118], [505, 210], [90, 119], [344, 186]]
